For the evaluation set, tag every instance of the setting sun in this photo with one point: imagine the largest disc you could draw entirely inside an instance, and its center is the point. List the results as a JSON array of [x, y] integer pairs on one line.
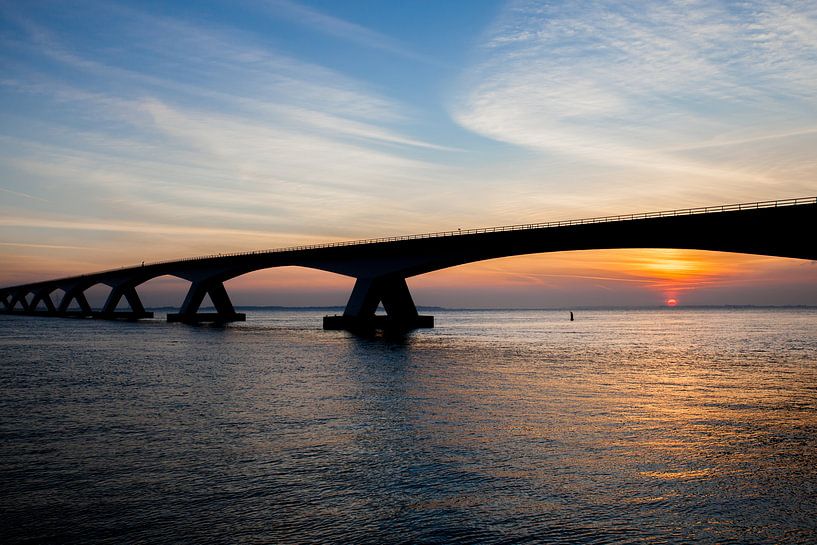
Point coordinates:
[[671, 302]]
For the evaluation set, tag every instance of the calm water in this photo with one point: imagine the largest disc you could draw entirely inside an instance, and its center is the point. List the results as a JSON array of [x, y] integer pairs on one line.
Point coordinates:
[[497, 427]]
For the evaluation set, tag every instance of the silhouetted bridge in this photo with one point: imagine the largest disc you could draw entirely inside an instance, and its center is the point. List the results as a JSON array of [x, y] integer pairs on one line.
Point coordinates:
[[783, 228]]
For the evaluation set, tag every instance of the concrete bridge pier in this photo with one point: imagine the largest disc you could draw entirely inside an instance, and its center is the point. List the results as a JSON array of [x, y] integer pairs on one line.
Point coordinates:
[[189, 312], [368, 293], [19, 297], [75, 293], [43, 295], [128, 291], [5, 302]]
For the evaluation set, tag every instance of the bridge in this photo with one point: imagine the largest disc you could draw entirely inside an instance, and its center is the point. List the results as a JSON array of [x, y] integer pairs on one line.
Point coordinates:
[[783, 228]]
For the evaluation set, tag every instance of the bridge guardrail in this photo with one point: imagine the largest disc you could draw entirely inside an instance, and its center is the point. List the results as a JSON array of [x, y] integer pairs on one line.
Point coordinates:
[[516, 227]]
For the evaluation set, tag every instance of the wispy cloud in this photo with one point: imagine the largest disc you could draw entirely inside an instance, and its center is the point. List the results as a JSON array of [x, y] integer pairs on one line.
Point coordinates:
[[45, 246], [340, 28], [200, 128], [21, 194], [672, 88]]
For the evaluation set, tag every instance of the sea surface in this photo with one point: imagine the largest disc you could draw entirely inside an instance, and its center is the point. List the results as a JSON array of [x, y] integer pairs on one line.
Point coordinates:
[[624, 426]]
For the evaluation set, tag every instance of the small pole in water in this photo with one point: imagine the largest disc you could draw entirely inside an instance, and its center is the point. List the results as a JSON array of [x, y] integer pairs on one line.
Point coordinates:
[[571, 315]]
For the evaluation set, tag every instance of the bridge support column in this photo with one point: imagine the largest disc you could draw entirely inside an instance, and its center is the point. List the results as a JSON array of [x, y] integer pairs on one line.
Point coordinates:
[[225, 312], [19, 297], [137, 309], [368, 293], [43, 296], [5, 302], [77, 294]]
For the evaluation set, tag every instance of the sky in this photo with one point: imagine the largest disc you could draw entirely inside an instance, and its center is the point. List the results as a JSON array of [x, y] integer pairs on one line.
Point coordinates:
[[145, 131]]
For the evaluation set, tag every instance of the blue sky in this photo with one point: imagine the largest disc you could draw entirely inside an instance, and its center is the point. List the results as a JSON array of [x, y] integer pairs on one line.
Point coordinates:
[[152, 130]]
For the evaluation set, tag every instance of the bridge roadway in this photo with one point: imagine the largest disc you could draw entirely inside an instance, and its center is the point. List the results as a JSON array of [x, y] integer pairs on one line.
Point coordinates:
[[783, 228]]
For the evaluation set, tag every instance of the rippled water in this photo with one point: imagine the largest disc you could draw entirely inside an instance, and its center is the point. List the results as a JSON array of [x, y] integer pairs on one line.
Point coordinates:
[[495, 427]]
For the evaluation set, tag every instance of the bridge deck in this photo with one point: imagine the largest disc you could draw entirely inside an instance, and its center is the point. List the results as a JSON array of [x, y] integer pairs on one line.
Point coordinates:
[[507, 228], [381, 265]]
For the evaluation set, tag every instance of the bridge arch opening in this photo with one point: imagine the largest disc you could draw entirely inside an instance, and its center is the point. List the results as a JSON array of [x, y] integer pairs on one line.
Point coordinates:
[[290, 286], [164, 293], [618, 277], [57, 295], [96, 295]]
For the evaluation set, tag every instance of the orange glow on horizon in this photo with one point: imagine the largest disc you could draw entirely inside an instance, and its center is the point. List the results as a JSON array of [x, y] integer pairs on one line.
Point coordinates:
[[664, 271], [622, 276]]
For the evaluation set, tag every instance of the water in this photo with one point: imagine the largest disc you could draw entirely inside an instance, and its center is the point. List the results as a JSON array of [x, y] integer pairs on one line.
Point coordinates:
[[496, 427]]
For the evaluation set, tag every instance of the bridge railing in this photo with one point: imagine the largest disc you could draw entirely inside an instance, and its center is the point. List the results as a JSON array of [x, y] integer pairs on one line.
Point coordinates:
[[516, 227]]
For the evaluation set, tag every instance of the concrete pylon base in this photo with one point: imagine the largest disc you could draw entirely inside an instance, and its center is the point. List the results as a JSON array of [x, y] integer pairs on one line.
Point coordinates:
[[123, 315], [47, 313], [79, 314], [385, 323], [207, 317]]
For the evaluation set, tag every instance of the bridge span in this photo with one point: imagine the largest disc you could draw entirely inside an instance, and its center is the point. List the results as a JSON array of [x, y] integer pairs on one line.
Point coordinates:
[[783, 228]]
